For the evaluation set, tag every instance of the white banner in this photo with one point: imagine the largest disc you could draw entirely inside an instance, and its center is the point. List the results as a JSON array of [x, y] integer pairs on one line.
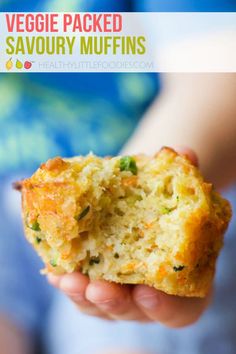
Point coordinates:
[[118, 42]]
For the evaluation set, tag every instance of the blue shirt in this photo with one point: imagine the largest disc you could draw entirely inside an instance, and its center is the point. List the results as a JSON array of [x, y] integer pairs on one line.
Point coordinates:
[[68, 114]]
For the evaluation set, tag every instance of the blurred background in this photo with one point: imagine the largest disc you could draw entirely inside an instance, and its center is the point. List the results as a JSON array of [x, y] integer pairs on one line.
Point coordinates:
[[43, 116]]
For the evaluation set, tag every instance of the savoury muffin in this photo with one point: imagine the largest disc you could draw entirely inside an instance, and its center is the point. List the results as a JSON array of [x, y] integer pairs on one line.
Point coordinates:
[[130, 220]]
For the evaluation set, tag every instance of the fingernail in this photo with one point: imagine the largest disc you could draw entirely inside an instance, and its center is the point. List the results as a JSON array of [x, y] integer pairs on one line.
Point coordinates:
[[149, 302]]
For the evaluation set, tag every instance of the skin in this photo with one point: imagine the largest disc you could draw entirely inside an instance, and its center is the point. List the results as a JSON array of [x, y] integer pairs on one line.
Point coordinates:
[[131, 303], [196, 110], [13, 340]]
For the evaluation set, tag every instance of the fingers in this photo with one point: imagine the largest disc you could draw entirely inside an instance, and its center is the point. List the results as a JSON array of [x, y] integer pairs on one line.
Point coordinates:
[[99, 298], [115, 300], [74, 286], [173, 311], [122, 302], [190, 154]]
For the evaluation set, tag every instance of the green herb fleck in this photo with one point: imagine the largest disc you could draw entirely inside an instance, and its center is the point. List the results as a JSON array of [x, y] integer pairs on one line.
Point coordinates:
[[179, 268], [53, 263], [177, 198], [83, 213], [116, 255], [165, 210], [38, 240], [94, 260], [35, 226], [128, 163]]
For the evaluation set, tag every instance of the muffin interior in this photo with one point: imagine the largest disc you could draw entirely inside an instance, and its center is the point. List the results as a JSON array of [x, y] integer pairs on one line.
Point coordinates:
[[123, 219]]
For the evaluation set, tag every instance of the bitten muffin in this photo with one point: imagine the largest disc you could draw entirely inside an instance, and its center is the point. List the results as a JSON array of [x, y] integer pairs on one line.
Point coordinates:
[[130, 220]]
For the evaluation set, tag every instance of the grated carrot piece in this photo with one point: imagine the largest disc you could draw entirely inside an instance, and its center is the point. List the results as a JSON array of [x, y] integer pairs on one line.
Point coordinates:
[[179, 256], [129, 266], [148, 225], [130, 181], [140, 232], [162, 270], [65, 256]]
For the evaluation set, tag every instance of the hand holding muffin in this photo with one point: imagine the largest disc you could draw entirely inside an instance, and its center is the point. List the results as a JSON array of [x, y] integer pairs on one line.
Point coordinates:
[[114, 301]]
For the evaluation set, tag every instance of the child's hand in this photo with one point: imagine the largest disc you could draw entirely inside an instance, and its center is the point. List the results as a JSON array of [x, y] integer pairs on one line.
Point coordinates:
[[130, 302], [125, 302]]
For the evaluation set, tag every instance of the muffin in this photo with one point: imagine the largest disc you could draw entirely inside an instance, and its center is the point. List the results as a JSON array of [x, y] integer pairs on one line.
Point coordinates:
[[127, 219]]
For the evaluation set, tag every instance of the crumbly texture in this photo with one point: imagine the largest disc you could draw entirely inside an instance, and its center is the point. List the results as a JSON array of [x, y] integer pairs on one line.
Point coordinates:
[[132, 220]]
